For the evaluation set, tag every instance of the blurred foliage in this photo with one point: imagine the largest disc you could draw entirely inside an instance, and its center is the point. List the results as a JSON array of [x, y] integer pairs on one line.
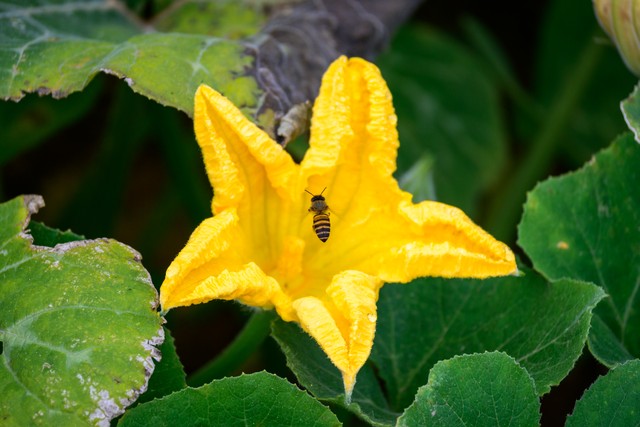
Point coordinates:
[[449, 109], [481, 121]]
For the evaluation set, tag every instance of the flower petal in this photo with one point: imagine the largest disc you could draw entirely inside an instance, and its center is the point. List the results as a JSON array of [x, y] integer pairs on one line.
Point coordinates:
[[375, 228], [215, 265], [428, 239], [238, 155], [353, 150], [353, 132], [249, 171], [343, 325], [353, 112]]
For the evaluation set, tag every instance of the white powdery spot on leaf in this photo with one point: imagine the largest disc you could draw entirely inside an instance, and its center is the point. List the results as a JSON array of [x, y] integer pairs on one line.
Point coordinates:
[[107, 408], [152, 345], [36, 415], [147, 363], [67, 403]]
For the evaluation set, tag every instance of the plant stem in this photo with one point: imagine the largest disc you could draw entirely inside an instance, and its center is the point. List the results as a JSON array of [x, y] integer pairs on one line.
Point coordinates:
[[506, 207], [248, 340]]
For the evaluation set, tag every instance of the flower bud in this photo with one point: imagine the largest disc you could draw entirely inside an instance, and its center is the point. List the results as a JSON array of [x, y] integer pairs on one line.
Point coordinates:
[[620, 20]]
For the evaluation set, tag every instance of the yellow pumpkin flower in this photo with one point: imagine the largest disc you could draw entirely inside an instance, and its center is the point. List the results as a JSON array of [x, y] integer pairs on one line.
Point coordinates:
[[260, 248]]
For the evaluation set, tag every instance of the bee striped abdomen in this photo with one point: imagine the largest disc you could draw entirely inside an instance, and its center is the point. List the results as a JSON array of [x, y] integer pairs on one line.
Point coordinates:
[[322, 226]]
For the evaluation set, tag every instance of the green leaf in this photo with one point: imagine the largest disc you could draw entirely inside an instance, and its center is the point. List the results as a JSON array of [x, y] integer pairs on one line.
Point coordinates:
[[613, 400], [47, 236], [604, 343], [318, 375], [631, 112], [542, 325], [256, 399], [488, 389], [448, 109], [222, 18], [584, 225], [78, 326], [169, 374], [57, 47]]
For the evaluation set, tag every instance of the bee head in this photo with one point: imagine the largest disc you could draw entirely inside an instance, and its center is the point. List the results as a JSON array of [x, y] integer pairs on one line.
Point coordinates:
[[316, 196]]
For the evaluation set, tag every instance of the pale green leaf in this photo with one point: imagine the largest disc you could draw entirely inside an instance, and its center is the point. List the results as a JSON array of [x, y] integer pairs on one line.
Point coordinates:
[[78, 326], [57, 47], [229, 19]]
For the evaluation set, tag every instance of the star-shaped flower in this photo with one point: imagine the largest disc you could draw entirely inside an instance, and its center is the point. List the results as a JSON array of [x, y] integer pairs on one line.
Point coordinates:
[[260, 247]]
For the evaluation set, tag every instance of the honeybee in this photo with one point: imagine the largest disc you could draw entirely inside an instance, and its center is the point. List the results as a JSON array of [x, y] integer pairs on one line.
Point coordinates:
[[320, 209]]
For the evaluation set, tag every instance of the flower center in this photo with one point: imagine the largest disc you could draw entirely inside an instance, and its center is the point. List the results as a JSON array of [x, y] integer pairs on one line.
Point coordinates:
[[288, 268]]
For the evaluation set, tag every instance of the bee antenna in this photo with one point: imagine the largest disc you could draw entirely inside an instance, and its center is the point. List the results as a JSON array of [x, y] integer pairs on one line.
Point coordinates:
[[309, 192], [323, 191]]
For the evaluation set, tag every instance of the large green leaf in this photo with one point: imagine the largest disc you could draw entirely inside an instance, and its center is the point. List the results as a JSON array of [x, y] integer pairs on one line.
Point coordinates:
[[249, 400], [542, 325], [488, 389], [57, 47], [447, 108], [316, 373], [584, 225], [78, 326], [613, 400]]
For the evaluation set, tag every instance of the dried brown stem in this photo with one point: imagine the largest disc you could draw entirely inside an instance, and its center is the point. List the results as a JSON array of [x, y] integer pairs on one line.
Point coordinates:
[[299, 42]]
